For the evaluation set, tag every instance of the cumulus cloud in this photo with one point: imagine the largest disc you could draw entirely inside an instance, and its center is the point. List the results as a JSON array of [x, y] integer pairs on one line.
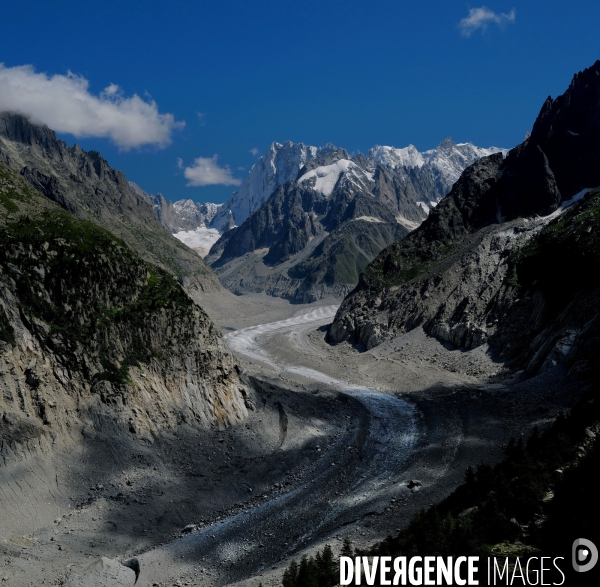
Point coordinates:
[[480, 18], [65, 104], [254, 151], [206, 171]]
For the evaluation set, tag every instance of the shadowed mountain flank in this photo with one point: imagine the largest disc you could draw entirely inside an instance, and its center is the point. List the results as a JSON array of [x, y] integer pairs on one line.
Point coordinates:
[[88, 330]]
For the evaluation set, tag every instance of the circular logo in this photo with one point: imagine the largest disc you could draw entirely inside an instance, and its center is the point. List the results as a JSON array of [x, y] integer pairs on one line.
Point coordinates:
[[585, 555]]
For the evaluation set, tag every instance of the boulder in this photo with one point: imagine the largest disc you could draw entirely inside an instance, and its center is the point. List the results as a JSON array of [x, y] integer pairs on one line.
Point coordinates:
[[103, 572]]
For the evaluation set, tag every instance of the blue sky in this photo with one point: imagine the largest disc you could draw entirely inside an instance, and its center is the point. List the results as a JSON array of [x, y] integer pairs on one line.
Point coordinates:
[[241, 74]]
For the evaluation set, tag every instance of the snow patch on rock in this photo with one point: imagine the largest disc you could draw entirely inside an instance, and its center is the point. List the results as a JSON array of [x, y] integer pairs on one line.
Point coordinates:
[[327, 176]]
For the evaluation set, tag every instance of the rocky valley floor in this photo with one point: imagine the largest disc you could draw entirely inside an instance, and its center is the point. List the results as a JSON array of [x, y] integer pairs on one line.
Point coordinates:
[[327, 453]]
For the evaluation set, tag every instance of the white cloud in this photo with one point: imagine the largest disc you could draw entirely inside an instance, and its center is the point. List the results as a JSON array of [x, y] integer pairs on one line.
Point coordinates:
[[206, 171], [254, 151], [479, 18], [64, 103]]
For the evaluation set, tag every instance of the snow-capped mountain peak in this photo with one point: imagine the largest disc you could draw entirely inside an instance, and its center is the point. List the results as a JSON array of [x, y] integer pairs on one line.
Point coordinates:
[[326, 176], [323, 179], [280, 164], [189, 209], [324, 170], [391, 157], [447, 161], [450, 159]]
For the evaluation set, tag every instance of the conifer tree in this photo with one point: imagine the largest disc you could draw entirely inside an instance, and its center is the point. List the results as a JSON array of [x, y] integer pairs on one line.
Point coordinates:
[[290, 575], [327, 573], [347, 549], [307, 573]]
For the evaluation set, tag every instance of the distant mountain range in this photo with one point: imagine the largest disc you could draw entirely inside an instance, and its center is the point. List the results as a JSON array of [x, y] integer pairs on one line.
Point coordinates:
[[189, 221], [303, 224], [309, 219], [306, 220]]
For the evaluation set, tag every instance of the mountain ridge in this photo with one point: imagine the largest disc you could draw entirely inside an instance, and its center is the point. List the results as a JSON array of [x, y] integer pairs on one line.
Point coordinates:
[[345, 208], [90, 330], [455, 275]]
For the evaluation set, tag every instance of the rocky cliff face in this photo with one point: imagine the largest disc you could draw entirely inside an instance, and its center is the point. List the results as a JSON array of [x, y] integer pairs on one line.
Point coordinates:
[[84, 184], [277, 166], [92, 333], [317, 232], [555, 283], [455, 274]]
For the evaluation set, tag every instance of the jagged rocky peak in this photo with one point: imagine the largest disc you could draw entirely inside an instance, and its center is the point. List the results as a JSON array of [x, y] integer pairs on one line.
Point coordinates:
[[324, 178], [323, 167], [365, 163], [560, 157], [447, 160], [190, 207], [19, 129], [392, 157], [316, 232], [182, 215], [280, 164], [41, 142], [328, 155], [567, 131]]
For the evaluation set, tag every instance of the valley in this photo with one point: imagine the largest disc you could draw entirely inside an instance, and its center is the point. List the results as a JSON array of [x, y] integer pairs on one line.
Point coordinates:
[[328, 452]]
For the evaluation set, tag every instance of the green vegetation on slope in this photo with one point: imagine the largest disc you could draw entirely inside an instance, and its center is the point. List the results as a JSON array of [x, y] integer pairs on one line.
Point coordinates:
[[406, 261], [318, 571], [13, 190], [506, 502], [345, 253], [81, 289]]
